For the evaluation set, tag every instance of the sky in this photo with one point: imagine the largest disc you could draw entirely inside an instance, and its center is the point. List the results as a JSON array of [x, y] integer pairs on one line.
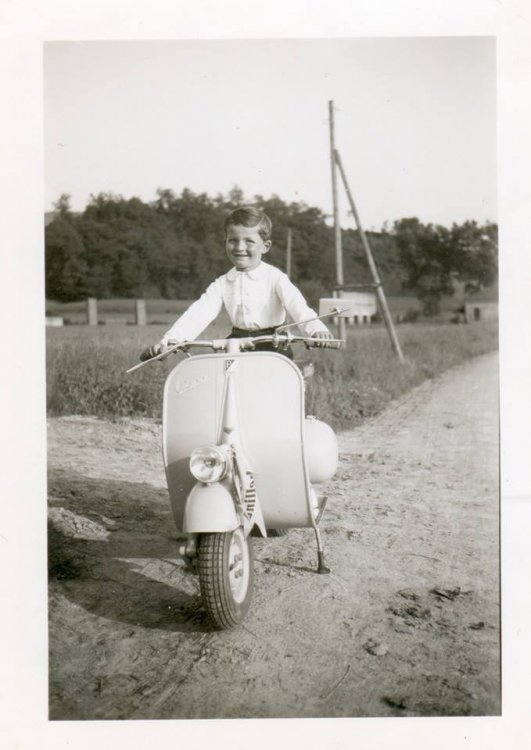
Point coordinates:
[[415, 122]]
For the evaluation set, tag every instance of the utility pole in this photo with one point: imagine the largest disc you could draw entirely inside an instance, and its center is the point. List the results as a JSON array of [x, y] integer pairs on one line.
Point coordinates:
[[337, 227], [372, 265], [288, 254]]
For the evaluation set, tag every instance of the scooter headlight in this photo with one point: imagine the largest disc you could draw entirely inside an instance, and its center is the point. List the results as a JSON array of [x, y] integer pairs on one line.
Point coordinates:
[[209, 463]]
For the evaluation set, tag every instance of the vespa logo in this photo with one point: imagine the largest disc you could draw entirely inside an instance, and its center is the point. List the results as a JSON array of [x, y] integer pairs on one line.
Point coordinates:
[[187, 385]]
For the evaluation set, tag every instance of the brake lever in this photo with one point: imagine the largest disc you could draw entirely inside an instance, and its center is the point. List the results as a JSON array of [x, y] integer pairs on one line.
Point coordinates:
[[158, 358]]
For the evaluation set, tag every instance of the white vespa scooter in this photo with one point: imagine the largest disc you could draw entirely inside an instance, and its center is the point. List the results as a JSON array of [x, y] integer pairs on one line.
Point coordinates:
[[240, 457]]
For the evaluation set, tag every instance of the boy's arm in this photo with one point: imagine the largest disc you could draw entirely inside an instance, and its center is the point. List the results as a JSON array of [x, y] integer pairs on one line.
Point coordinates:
[[196, 318], [298, 309]]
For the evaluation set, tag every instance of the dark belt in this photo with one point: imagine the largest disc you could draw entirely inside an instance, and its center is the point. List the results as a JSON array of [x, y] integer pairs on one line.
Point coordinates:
[[243, 333], [262, 346]]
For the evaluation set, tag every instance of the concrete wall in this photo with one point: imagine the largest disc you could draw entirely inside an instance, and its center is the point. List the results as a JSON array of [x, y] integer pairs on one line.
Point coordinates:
[[361, 306]]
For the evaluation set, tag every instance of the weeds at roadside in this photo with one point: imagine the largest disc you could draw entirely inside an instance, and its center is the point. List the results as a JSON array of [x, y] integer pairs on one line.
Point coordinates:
[[360, 382]]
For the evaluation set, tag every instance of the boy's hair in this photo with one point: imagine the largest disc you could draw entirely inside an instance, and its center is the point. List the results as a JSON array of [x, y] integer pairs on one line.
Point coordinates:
[[249, 216]]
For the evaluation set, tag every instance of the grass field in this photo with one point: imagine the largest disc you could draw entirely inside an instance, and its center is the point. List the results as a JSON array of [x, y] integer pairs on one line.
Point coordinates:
[[86, 368]]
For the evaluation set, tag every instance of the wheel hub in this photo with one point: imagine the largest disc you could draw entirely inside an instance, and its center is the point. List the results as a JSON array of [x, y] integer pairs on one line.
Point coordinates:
[[238, 566]]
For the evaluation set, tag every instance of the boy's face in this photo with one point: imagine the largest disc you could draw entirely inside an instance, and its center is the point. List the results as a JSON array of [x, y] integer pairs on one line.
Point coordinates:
[[245, 247]]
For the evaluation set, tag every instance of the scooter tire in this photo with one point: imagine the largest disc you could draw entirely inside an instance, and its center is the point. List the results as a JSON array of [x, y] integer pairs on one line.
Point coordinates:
[[225, 562]]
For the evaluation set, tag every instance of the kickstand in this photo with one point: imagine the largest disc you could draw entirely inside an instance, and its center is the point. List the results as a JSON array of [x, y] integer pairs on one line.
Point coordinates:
[[322, 506], [321, 567]]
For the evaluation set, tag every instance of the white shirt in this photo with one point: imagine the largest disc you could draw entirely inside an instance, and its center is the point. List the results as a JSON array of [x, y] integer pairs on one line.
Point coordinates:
[[253, 299]]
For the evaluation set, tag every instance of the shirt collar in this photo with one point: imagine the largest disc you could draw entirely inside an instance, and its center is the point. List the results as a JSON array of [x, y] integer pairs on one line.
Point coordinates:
[[257, 273]]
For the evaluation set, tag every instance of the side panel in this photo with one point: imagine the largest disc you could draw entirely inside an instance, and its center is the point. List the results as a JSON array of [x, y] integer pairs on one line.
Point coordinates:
[[321, 450], [269, 397]]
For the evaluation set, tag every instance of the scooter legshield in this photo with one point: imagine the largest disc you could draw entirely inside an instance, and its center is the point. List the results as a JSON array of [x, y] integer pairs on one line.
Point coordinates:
[[270, 405]]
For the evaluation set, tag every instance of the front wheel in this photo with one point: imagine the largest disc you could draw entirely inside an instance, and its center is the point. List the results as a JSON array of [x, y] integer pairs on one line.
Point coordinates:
[[226, 576]]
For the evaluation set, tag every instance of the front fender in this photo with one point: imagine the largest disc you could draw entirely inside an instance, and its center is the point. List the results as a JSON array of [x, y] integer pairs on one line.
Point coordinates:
[[210, 508]]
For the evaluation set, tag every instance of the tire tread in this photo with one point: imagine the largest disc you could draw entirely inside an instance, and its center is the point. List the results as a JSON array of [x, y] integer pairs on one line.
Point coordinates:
[[215, 589]]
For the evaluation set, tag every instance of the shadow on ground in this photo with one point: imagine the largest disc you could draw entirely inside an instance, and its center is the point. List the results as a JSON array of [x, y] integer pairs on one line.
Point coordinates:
[[112, 550]]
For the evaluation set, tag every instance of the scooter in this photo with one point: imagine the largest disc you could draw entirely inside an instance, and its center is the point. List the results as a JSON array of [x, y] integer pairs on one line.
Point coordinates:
[[241, 459]]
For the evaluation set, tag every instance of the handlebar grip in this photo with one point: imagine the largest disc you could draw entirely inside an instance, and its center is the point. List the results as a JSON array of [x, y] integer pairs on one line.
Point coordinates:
[[334, 344], [326, 343]]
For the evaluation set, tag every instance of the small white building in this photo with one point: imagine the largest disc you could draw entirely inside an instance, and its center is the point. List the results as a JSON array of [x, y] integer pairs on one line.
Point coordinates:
[[481, 311], [482, 307]]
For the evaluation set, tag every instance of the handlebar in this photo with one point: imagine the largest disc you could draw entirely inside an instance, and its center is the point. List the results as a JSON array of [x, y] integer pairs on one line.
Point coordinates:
[[281, 340], [278, 340]]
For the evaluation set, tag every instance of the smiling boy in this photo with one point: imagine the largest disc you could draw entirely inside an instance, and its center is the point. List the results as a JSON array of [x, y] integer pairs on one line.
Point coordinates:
[[256, 295]]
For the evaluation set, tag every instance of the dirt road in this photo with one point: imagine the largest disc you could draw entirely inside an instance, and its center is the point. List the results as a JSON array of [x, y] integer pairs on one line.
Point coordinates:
[[407, 623]]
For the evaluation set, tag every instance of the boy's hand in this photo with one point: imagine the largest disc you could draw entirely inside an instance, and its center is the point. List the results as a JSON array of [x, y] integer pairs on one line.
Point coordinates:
[[151, 351], [323, 336]]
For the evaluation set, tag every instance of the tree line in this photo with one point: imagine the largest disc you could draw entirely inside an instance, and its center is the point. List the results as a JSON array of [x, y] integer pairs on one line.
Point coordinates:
[[173, 247]]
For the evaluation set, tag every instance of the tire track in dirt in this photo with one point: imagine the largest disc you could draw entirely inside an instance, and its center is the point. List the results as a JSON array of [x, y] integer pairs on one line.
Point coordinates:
[[406, 624]]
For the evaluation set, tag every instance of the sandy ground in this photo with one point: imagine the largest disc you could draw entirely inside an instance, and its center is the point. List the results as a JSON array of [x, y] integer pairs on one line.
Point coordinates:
[[406, 624]]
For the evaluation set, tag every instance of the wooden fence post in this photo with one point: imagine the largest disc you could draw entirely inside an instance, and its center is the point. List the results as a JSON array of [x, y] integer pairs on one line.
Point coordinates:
[[92, 311], [140, 312]]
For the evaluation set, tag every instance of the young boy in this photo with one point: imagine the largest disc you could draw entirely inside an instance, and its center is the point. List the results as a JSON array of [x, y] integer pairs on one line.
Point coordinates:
[[255, 294]]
